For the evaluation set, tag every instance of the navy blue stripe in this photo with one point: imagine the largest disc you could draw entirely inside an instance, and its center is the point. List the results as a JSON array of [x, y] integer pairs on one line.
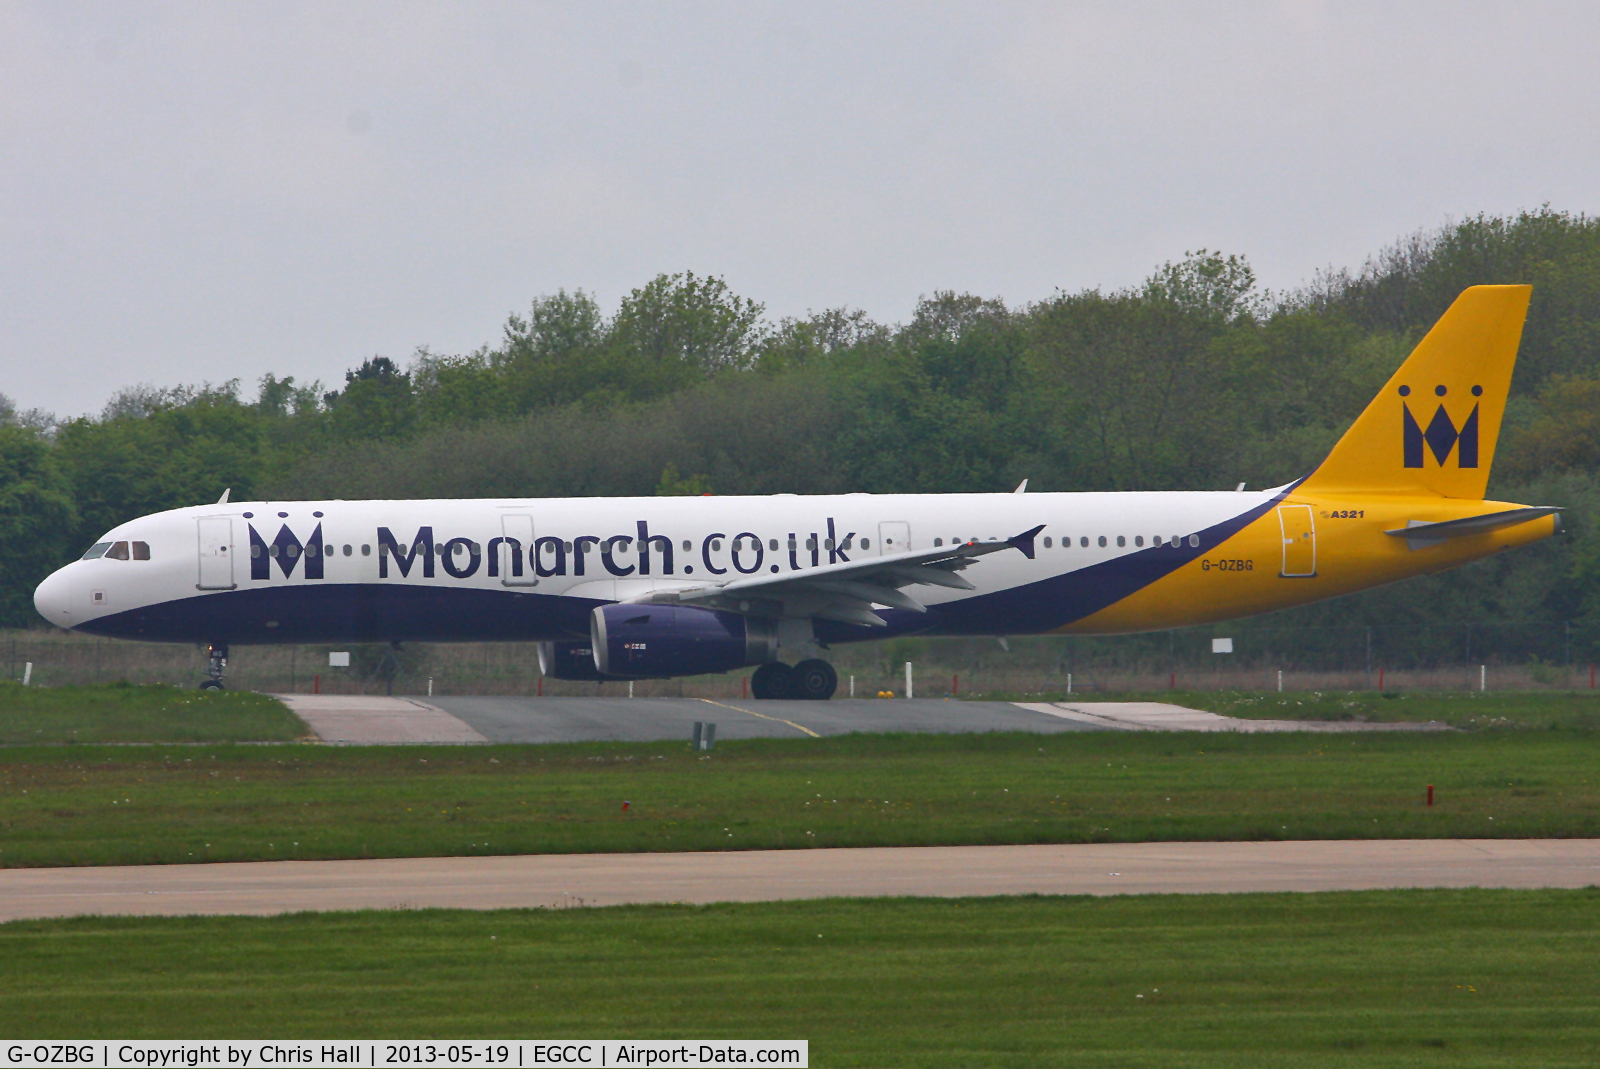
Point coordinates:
[[353, 612]]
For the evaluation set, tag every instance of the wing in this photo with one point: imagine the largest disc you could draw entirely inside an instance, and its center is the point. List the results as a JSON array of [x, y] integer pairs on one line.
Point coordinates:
[[848, 590]]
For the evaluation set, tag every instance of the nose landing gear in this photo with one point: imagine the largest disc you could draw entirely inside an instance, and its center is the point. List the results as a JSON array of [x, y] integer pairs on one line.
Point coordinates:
[[812, 679], [216, 664]]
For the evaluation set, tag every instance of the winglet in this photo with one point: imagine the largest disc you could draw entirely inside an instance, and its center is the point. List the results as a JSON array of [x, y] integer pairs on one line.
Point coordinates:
[[223, 500], [1022, 487], [1024, 541]]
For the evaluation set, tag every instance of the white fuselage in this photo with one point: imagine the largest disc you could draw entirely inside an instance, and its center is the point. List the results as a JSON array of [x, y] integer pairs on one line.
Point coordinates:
[[453, 570]]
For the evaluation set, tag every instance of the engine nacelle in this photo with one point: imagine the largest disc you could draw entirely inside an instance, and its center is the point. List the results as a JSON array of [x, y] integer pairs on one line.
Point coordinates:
[[569, 660], [658, 641]]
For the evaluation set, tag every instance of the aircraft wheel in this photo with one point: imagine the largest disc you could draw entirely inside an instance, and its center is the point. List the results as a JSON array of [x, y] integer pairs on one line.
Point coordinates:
[[771, 680], [211, 684], [813, 679]]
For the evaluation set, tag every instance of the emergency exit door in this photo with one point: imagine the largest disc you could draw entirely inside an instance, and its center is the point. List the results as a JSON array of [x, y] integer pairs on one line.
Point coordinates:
[[894, 536], [216, 553], [1299, 541]]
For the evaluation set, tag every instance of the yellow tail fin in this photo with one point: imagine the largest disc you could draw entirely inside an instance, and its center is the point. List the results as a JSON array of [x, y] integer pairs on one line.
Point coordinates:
[[1433, 428]]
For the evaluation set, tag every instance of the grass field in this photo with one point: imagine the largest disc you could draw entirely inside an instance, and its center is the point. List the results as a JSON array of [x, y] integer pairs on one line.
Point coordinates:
[[123, 712], [1425, 978], [85, 805]]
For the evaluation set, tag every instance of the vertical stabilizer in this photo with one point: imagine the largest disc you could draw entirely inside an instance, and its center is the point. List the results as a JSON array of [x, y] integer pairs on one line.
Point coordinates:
[[1433, 428]]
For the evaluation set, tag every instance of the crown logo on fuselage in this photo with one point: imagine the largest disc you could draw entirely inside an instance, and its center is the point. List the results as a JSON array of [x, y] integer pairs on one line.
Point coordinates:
[[1441, 436]]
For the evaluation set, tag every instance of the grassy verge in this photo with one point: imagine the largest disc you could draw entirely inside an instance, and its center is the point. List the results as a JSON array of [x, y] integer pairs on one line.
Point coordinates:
[[1463, 978], [85, 805], [1467, 710], [125, 712]]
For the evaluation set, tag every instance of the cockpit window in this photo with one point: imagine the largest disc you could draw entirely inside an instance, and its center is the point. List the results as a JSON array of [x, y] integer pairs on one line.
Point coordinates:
[[97, 550], [118, 551], [141, 551]]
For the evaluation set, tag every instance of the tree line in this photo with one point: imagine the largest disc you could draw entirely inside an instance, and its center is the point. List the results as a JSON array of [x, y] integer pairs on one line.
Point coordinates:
[[1195, 379]]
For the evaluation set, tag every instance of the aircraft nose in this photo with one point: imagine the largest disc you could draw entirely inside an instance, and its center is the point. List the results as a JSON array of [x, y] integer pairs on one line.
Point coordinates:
[[53, 598]]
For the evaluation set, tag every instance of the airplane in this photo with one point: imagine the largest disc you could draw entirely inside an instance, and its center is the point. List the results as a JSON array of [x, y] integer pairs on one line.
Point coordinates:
[[650, 588]]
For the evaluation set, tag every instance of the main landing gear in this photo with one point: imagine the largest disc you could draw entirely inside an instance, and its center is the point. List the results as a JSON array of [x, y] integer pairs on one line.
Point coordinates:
[[216, 664], [813, 679]]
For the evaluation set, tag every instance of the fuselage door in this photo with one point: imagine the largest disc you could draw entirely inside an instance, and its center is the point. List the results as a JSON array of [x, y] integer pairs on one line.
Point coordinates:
[[216, 553], [894, 536], [1299, 541], [516, 551]]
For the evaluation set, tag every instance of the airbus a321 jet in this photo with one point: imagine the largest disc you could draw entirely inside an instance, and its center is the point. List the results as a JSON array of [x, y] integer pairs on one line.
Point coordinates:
[[650, 588]]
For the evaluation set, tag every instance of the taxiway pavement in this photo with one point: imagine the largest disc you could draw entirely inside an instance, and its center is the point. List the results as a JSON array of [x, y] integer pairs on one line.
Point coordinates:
[[372, 720], [563, 880]]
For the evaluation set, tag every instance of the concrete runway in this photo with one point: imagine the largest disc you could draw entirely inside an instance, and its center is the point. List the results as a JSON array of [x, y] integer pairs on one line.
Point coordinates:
[[561, 880]]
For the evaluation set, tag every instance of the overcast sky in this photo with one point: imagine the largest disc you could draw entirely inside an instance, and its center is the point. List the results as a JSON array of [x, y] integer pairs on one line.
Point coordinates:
[[214, 191]]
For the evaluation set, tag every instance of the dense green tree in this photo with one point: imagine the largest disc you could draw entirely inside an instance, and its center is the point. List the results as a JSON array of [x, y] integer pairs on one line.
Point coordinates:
[[377, 402], [37, 520], [177, 455]]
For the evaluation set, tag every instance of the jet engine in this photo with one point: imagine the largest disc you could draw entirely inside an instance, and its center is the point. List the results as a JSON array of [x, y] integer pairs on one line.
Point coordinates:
[[658, 641], [569, 660]]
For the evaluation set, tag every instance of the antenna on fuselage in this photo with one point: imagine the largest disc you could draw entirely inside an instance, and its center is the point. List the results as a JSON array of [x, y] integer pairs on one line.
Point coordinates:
[[1021, 487]]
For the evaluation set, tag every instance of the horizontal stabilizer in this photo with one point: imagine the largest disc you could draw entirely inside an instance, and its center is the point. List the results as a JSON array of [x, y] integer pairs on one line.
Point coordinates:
[[1420, 533]]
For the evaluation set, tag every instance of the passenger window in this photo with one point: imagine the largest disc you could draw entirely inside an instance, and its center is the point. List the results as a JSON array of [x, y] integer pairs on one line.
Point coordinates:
[[1046, 541], [1102, 540], [1121, 541], [255, 551], [1138, 540], [773, 545], [366, 549], [118, 551], [688, 546], [811, 543], [936, 542], [141, 551], [1156, 541], [1177, 540], [716, 543], [96, 551], [1194, 540], [1084, 542], [566, 547], [792, 544], [347, 549]]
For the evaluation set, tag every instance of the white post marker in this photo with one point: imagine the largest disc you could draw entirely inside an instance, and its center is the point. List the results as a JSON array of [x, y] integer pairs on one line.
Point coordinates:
[[1069, 682], [430, 686], [852, 686], [27, 673], [630, 688], [1280, 681], [908, 679], [1483, 677]]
